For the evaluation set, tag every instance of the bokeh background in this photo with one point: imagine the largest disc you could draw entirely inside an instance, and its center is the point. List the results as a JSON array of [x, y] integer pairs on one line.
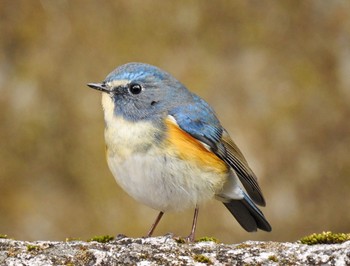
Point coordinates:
[[276, 72]]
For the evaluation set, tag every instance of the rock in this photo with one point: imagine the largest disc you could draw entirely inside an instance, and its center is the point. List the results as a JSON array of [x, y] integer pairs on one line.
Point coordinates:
[[166, 251]]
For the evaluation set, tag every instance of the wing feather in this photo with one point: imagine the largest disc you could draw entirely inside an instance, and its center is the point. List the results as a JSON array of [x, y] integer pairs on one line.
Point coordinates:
[[199, 120], [236, 160]]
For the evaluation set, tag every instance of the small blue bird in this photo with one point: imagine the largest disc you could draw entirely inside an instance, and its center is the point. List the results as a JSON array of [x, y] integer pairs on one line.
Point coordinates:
[[167, 149]]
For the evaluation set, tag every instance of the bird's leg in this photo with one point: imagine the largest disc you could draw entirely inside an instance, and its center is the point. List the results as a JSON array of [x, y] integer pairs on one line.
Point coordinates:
[[154, 225], [191, 237]]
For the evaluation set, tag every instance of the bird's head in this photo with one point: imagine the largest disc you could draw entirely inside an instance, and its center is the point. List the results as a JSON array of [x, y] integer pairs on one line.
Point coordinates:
[[138, 91]]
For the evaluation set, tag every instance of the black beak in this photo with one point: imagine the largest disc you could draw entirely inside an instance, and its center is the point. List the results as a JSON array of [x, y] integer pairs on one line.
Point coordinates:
[[98, 86]]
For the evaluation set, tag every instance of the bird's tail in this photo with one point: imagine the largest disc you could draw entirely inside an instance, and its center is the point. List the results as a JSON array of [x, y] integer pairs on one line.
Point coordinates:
[[248, 214]]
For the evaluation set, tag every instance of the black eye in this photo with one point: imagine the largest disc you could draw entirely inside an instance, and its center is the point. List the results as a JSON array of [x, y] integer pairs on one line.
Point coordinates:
[[135, 88]]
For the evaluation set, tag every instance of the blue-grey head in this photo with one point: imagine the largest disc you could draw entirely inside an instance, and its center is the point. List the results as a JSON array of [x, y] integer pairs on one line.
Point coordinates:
[[140, 91]]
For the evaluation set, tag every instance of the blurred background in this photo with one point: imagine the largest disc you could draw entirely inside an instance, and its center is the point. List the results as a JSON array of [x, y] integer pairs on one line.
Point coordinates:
[[276, 72]]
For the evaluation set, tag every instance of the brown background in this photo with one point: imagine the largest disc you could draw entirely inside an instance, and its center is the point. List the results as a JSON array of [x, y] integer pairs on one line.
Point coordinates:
[[276, 72]]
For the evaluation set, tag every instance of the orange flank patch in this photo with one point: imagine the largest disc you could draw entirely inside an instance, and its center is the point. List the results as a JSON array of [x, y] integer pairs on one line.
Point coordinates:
[[189, 148]]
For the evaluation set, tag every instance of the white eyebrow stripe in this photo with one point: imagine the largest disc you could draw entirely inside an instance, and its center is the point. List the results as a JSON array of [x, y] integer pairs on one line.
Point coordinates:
[[116, 83]]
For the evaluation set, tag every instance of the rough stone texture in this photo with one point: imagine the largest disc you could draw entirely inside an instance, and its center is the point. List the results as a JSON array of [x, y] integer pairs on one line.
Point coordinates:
[[166, 251]]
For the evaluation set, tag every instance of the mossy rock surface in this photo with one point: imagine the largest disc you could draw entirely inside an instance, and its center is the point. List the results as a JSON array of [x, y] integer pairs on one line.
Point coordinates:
[[166, 251]]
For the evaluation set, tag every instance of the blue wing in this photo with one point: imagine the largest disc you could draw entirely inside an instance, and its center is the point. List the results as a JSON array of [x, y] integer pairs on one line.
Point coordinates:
[[199, 120]]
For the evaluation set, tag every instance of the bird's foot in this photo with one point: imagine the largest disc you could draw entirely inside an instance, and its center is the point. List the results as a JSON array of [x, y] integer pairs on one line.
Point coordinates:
[[183, 240]]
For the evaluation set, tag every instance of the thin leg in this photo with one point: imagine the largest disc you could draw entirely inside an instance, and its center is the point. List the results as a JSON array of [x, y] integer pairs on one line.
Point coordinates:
[[191, 237], [154, 225]]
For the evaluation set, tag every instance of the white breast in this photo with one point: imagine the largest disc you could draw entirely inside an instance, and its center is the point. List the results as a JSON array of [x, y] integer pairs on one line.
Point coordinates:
[[124, 137]]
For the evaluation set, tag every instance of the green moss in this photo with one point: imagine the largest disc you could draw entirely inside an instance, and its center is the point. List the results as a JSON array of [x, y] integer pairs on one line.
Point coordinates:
[[31, 248], [201, 258], [102, 239], [325, 238], [70, 239], [207, 239], [3, 236], [273, 258]]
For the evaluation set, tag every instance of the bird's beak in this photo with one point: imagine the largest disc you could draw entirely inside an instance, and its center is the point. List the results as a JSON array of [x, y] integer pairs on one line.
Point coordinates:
[[99, 87]]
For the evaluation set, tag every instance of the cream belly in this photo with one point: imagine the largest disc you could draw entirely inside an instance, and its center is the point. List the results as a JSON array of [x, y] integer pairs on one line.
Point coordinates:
[[163, 182]]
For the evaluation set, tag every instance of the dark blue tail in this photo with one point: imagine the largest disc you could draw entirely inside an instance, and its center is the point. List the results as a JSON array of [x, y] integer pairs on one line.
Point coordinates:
[[248, 215]]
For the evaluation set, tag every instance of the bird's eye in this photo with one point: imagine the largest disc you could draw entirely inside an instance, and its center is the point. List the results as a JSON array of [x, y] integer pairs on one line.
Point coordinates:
[[135, 88]]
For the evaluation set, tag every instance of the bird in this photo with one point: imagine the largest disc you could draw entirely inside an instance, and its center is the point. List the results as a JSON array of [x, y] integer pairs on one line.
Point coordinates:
[[167, 149]]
